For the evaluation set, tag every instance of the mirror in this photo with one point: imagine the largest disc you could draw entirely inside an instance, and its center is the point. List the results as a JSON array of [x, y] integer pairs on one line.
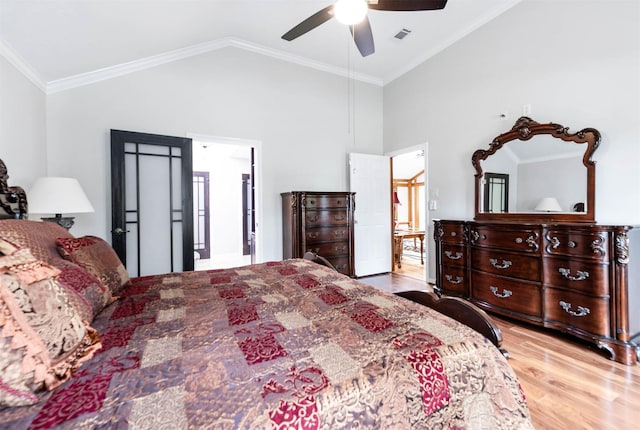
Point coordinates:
[[538, 172]]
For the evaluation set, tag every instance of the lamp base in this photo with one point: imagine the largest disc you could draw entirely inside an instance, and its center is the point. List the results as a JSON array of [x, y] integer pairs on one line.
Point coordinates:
[[63, 221]]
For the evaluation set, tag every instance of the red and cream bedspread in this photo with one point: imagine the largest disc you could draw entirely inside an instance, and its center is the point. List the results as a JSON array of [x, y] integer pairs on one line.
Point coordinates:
[[279, 345]]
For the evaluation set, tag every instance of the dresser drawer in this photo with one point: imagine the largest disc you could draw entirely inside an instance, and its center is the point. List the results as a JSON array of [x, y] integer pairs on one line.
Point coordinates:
[[585, 244], [454, 255], [452, 232], [325, 234], [521, 266], [326, 217], [322, 201], [575, 310], [517, 239], [591, 278], [454, 279], [329, 249], [342, 264], [508, 294]]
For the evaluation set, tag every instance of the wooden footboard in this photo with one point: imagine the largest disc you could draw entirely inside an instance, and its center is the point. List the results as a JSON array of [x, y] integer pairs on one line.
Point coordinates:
[[462, 311]]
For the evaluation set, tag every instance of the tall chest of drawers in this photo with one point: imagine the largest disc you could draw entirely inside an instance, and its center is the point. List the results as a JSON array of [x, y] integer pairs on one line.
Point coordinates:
[[320, 222], [576, 278]]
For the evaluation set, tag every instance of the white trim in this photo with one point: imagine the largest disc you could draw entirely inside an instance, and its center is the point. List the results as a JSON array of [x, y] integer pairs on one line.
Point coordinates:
[[190, 51], [491, 14], [19, 63], [105, 73], [257, 146]]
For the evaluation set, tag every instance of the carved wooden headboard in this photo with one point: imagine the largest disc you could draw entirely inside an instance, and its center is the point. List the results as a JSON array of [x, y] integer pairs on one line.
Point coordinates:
[[13, 200]]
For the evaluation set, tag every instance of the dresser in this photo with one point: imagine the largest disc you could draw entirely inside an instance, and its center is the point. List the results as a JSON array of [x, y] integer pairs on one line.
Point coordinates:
[[575, 278], [319, 222]]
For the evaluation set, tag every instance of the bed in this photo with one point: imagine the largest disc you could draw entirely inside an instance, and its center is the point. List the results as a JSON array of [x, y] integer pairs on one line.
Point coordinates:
[[281, 344]]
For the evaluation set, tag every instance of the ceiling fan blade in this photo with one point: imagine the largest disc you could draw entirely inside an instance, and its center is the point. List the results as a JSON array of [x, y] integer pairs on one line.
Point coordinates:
[[407, 5], [363, 37], [310, 23]]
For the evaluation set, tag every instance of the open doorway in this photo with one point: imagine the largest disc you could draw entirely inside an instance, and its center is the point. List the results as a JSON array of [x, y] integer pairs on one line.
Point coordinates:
[[224, 203], [409, 213]]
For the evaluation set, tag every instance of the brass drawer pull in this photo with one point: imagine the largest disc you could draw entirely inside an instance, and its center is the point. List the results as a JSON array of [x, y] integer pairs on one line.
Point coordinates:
[[582, 311], [339, 217], [339, 233], [503, 295], [580, 275], [340, 248], [450, 279], [312, 218], [312, 235], [504, 265], [451, 256]]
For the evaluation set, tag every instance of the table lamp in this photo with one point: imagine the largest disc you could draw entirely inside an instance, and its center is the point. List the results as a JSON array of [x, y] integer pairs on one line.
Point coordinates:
[[54, 195]]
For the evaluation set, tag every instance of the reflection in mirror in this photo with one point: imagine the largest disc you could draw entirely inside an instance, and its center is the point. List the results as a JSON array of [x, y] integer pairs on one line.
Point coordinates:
[[496, 192], [540, 167], [533, 164]]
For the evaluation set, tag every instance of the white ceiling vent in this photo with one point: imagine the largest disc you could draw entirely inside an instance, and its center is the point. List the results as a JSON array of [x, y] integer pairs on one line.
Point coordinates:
[[402, 34]]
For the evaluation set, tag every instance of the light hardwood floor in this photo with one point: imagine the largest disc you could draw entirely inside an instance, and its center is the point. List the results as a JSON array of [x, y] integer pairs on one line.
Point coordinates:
[[568, 384], [411, 268]]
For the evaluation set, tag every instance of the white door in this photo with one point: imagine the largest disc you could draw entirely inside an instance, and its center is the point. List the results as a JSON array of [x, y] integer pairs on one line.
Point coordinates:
[[370, 179]]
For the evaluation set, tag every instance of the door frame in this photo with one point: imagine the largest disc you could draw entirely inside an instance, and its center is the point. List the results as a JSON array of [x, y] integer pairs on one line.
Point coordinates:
[[257, 181], [430, 246]]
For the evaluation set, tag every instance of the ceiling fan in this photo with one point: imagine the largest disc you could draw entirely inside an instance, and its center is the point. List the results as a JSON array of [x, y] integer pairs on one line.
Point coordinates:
[[359, 22]]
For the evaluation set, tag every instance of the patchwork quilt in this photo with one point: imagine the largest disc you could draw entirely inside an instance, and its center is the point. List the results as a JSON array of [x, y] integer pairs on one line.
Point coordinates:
[[279, 345]]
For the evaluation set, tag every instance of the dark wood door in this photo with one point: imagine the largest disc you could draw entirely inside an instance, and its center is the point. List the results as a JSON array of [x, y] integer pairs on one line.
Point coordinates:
[[152, 202]]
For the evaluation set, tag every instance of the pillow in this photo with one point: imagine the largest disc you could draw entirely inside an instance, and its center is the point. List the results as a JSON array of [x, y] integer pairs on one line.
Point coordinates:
[[95, 295], [39, 237], [98, 257], [42, 337], [85, 292]]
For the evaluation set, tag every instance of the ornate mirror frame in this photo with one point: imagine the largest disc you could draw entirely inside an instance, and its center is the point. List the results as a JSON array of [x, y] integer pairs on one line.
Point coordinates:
[[524, 129]]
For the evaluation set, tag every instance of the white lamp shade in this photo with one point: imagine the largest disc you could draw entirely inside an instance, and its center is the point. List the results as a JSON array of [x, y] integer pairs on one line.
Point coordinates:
[[548, 204], [58, 196]]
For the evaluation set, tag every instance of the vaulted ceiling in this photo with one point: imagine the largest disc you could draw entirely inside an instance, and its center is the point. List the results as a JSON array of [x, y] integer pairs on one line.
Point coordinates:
[[58, 40]]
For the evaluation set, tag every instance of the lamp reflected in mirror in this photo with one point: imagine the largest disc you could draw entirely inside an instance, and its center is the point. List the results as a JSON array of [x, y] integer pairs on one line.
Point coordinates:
[[548, 204]]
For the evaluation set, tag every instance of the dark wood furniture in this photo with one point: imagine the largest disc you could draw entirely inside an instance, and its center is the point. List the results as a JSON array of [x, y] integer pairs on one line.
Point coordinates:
[[576, 278], [319, 222], [527, 138], [461, 311], [559, 270], [13, 200]]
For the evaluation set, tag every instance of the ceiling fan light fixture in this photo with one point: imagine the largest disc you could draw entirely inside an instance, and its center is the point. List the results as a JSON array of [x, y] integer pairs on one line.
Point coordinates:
[[350, 12]]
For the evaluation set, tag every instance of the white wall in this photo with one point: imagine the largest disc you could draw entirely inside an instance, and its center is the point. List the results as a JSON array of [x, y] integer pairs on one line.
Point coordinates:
[[298, 114], [22, 126], [576, 63]]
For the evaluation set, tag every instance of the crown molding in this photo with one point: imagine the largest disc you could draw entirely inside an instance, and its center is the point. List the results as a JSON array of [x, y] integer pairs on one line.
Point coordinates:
[[9, 53], [493, 13], [178, 54]]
